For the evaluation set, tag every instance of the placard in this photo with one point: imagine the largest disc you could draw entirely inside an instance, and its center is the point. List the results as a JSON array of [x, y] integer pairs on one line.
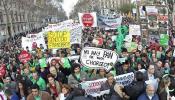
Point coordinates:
[[134, 30], [93, 87], [98, 58], [88, 19], [58, 39], [24, 56], [33, 42]]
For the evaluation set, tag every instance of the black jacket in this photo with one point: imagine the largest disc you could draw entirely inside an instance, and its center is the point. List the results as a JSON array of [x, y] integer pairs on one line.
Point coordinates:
[[135, 89]]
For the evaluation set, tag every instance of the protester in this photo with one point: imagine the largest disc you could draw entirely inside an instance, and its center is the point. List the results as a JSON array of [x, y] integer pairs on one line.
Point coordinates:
[[149, 95], [77, 76], [119, 93], [137, 87], [37, 94], [164, 91], [22, 91], [54, 86], [39, 81], [11, 95]]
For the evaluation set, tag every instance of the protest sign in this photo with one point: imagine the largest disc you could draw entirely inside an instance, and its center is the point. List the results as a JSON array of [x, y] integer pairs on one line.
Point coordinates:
[[76, 34], [164, 39], [24, 57], [58, 58], [125, 79], [93, 87], [88, 19], [98, 58], [131, 46], [2, 70], [109, 22], [33, 42], [134, 30], [58, 39]]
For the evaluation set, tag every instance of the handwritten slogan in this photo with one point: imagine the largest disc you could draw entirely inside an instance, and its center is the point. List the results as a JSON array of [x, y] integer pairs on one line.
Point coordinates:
[[98, 58], [58, 39], [93, 87]]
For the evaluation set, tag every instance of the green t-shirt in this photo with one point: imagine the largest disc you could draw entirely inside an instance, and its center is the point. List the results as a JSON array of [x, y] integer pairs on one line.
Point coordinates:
[[78, 76], [66, 63], [37, 98], [41, 83]]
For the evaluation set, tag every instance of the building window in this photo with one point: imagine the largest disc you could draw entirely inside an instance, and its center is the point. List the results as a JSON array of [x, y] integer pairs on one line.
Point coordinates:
[[1, 17]]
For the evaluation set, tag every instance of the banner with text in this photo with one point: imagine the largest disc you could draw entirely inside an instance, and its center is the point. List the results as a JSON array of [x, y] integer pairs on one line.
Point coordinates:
[[134, 30], [93, 87], [58, 39], [109, 22], [98, 58], [76, 34], [34, 42]]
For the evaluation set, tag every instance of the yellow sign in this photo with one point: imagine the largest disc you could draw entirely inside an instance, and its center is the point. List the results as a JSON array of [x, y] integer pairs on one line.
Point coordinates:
[[58, 39]]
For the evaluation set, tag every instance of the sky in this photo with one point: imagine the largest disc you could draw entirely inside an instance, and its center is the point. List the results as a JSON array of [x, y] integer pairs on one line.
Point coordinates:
[[67, 5]]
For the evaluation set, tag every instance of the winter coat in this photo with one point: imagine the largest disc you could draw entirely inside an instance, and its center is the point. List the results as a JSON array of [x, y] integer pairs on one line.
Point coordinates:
[[44, 96], [144, 96], [73, 82]]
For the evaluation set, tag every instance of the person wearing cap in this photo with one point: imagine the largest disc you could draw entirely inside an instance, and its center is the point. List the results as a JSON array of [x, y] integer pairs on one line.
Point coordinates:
[[150, 94]]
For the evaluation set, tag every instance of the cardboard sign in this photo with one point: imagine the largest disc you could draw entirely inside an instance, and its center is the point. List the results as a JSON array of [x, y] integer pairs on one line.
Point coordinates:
[[58, 39], [88, 19], [134, 30], [98, 58], [93, 87], [24, 56]]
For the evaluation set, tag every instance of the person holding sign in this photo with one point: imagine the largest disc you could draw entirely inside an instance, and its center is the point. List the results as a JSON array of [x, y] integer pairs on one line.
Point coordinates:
[[108, 85]]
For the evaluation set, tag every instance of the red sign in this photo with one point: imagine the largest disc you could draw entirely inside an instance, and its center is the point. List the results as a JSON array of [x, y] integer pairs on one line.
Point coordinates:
[[163, 18], [24, 57], [2, 70], [87, 20]]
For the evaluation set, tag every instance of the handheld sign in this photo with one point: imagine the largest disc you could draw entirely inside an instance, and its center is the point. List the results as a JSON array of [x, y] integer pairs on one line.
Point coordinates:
[[24, 57], [98, 58]]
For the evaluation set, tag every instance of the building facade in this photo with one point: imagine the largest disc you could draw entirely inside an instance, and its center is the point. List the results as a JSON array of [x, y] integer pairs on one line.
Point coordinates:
[[17, 16]]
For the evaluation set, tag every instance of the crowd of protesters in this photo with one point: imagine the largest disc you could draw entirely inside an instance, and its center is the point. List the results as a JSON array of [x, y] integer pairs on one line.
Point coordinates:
[[60, 80]]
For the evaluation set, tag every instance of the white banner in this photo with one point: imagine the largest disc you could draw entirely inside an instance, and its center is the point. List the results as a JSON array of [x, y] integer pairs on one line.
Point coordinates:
[[109, 22], [98, 58], [88, 19], [29, 42], [76, 34], [70, 58], [134, 30], [93, 87]]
